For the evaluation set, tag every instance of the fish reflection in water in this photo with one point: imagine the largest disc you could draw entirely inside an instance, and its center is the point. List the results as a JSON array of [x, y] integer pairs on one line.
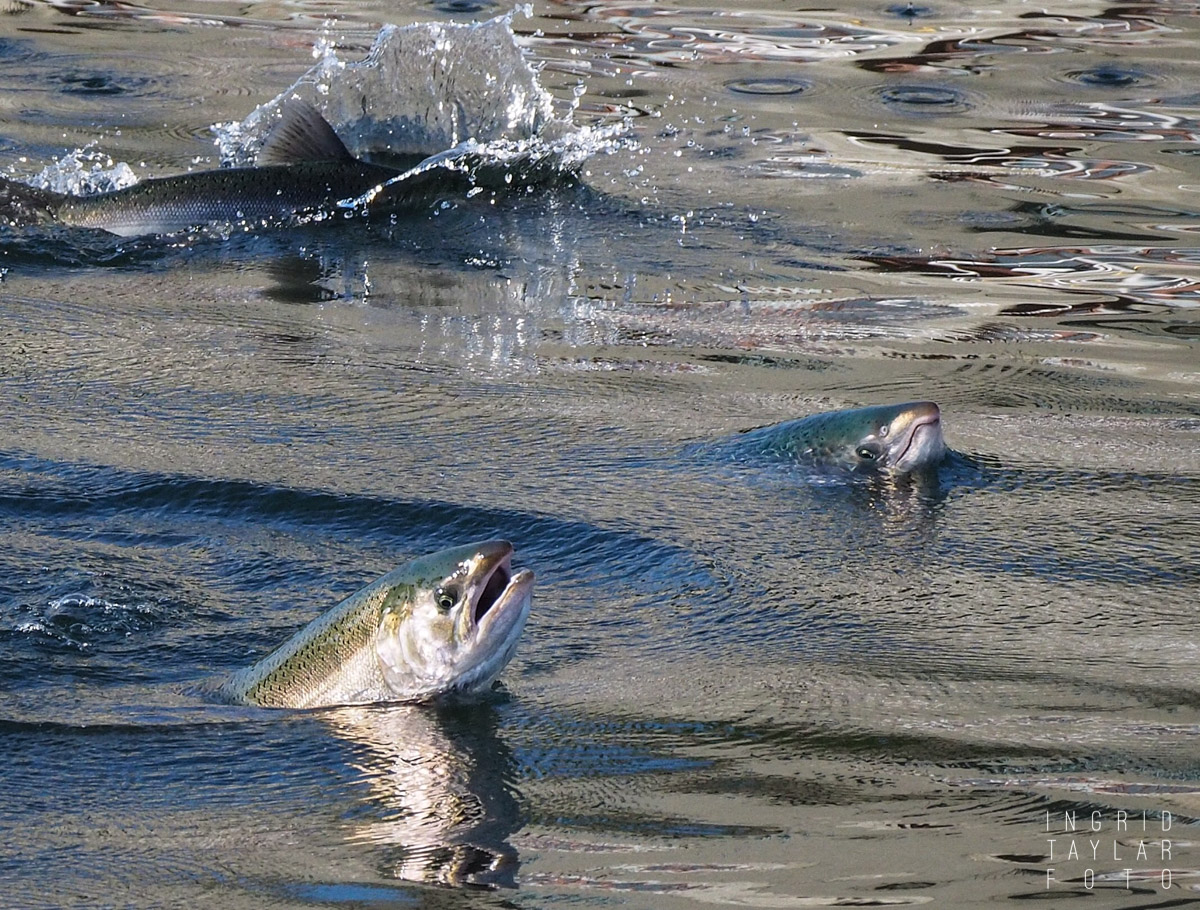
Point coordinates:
[[440, 799]]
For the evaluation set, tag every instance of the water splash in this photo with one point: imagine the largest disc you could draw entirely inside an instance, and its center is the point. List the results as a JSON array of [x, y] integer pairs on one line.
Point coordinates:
[[81, 621], [85, 170], [459, 96], [460, 99]]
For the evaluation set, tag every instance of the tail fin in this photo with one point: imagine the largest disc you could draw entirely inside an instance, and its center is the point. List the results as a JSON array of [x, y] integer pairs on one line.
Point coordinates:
[[21, 204]]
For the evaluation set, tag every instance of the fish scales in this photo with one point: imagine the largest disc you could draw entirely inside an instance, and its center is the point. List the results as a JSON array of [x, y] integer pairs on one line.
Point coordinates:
[[334, 651], [303, 169], [269, 194]]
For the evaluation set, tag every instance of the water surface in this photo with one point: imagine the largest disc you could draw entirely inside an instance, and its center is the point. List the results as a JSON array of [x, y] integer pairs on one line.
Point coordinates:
[[738, 686]]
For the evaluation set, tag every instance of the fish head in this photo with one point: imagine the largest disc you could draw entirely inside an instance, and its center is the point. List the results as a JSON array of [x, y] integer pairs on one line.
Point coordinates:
[[452, 623], [897, 438]]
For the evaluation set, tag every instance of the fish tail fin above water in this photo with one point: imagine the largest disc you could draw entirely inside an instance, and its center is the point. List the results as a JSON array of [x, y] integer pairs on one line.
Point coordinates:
[[302, 135], [22, 204]]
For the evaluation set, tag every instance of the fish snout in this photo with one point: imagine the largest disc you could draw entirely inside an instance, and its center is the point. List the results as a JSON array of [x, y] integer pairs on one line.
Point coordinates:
[[919, 442], [924, 413]]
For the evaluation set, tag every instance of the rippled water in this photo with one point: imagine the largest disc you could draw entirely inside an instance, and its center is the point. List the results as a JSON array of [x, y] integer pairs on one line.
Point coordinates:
[[738, 686]]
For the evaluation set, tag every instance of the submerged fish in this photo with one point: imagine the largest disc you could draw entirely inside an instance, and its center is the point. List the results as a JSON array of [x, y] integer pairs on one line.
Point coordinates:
[[302, 169], [448, 622], [891, 438]]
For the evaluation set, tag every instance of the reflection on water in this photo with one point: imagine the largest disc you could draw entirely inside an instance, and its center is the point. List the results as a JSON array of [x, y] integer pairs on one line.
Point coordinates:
[[440, 792], [740, 684]]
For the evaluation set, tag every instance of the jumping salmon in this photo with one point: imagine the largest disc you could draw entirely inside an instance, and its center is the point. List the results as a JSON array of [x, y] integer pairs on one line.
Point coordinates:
[[302, 169], [447, 622]]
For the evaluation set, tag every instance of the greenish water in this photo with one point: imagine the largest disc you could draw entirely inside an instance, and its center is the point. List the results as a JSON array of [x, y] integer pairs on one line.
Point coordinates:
[[738, 686]]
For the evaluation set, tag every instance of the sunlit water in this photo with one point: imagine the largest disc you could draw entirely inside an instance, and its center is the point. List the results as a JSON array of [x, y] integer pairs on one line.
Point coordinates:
[[740, 684]]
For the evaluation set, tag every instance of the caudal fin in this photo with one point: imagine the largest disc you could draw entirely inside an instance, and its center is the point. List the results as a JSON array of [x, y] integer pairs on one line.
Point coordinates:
[[22, 204]]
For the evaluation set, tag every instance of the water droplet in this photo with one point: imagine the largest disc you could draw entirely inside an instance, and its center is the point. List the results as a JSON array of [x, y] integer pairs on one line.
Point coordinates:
[[781, 85], [924, 99], [1108, 75], [909, 11]]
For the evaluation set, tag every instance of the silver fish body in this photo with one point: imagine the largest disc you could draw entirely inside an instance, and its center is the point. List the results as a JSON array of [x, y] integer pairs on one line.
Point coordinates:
[[303, 169], [894, 439], [443, 623], [248, 195]]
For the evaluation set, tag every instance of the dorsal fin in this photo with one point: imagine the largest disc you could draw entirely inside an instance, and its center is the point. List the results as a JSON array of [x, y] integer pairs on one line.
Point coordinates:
[[302, 134]]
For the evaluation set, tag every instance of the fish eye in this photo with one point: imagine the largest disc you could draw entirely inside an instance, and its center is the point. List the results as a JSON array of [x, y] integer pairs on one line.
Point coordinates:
[[446, 598], [866, 453]]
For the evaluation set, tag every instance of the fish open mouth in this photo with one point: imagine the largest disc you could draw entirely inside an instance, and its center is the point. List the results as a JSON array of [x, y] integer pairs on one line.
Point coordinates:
[[493, 588], [500, 585]]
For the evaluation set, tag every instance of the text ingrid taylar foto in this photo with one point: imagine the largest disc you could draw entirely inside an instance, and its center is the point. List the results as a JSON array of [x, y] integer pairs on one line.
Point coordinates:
[[1117, 837]]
